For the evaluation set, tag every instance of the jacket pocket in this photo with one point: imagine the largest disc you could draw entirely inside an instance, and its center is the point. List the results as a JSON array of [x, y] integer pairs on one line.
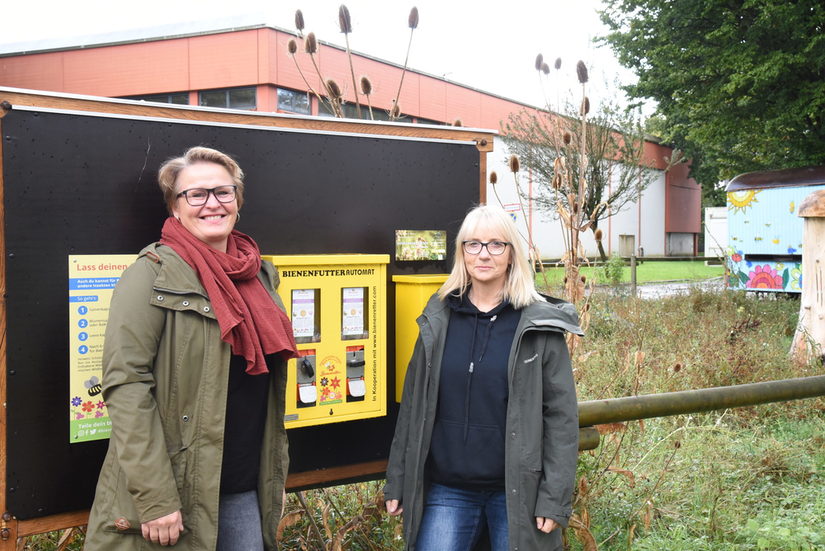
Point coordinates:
[[179, 460], [529, 480], [476, 458]]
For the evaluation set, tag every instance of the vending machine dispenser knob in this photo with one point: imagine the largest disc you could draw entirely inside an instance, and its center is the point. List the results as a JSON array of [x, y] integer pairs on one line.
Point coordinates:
[[307, 368]]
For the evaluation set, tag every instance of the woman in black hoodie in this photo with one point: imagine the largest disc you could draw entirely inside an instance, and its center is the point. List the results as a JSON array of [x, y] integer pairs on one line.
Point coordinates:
[[486, 438]]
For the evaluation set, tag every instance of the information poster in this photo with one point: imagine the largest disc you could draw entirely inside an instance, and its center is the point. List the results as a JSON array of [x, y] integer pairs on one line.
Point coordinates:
[[303, 313], [353, 312], [420, 244], [92, 279]]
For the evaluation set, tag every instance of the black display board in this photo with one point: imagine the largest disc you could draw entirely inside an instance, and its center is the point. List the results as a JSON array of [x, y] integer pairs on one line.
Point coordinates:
[[80, 183]]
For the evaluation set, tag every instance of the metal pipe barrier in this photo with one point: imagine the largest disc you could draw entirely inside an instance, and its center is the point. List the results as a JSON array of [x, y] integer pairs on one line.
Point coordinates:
[[614, 410]]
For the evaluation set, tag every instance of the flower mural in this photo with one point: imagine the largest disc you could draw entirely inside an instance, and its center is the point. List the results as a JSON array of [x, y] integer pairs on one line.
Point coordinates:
[[764, 277], [796, 278]]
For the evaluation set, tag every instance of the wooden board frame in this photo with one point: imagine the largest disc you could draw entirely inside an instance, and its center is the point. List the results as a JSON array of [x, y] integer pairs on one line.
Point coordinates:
[[12, 529]]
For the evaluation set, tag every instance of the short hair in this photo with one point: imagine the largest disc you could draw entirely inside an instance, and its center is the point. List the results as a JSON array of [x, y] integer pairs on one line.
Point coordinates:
[[171, 169], [520, 286]]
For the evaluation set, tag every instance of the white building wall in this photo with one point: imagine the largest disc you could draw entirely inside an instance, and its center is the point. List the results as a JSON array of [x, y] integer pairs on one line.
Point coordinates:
[[644, 220], [716, 231]]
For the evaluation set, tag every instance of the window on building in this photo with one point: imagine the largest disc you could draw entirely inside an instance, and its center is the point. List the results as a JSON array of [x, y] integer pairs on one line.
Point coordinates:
[[178, 98], [421, 120], [232, 98], [293, 101], [351, 112]]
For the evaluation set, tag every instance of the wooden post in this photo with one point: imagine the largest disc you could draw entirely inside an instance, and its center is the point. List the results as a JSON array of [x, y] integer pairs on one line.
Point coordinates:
[[809, 340]]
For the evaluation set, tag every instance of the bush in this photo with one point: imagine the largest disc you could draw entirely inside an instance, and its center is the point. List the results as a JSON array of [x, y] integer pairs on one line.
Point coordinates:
[[613, 269]]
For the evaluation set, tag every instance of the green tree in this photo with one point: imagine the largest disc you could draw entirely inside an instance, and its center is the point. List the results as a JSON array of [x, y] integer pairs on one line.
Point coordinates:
[[739, 84]]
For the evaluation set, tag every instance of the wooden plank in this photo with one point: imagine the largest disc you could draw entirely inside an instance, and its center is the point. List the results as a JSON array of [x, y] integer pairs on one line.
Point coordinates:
[[483, 140], [51, 523], [348, 472], [8, 525]]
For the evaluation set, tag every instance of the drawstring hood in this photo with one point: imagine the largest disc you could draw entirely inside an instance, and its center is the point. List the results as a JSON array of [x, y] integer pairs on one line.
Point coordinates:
[[472, 367]]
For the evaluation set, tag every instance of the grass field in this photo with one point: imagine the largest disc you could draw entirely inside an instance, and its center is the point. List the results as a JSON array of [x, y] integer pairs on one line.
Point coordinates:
[[647, 271]]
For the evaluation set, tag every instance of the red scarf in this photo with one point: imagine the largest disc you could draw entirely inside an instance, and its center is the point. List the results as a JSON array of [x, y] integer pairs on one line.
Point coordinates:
[[249, 319]]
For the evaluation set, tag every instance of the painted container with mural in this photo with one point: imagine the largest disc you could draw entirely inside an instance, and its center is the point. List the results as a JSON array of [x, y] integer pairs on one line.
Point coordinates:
[[764, 250]]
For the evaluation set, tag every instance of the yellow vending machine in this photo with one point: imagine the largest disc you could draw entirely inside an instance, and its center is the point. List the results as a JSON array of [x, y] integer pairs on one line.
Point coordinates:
[[337, 304]]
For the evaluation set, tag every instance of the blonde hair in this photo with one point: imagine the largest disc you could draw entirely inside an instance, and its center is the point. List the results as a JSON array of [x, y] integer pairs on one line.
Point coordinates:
[[171, 169], [519, 287]]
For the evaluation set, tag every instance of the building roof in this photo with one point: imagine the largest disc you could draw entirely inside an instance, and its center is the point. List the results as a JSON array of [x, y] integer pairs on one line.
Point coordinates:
[[789, 177]]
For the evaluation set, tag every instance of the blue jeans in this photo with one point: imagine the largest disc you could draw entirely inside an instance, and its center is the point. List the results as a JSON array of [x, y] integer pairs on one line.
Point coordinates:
[[239, 523], [455, 518]]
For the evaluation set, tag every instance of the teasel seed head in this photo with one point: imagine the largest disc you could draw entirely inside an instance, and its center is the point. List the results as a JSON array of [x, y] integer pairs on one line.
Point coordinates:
[[585, 106], [334, 89], [575, 208], [299, 20], [677, 368], [677, 444], [310, 44], [458, 122], [545, 68], [599, 234], [412, 20], [567, 138], [493, 178], [514, 166], [581, 71], [292, 46], [587, 307], [539, 61], [557, 65], [344, 20], [366, 86], [395, 111], [584, 278]]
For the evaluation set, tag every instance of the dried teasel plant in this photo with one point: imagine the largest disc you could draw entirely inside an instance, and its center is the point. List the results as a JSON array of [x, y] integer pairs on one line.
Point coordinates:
[[345, 23], [535, 256], [292, 50], [412, 23], [336, 97], [311, 48], [366, 89], [334, 102], [299, 22], [395, 111]]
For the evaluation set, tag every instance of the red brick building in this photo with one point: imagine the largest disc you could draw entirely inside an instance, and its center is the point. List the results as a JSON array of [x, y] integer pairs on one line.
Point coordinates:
[[251, 68]]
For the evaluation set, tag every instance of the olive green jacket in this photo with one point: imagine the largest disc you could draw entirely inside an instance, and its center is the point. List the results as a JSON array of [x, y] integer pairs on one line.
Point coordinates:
[[165, 377], [541, 433]]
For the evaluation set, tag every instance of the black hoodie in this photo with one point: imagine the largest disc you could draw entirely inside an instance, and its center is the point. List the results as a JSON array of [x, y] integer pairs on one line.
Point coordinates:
[[467, 447]]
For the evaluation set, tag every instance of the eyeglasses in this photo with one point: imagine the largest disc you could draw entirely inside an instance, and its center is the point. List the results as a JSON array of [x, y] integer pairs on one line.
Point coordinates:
[[197, 197], [495, 248]]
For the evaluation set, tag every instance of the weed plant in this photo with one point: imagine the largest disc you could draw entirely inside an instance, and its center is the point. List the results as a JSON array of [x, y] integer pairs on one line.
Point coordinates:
[[613, 269], [747, 479]]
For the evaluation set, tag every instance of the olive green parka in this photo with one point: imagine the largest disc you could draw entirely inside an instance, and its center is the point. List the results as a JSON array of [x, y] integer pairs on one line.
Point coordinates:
[[541, 433], [165, 378]]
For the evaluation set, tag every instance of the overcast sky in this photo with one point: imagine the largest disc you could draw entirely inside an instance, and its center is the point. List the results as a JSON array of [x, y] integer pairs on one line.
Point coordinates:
[[486, 44]]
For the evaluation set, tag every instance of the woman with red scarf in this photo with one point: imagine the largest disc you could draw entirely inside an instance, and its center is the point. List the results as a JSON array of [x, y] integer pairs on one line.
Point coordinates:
[[194, 379]]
